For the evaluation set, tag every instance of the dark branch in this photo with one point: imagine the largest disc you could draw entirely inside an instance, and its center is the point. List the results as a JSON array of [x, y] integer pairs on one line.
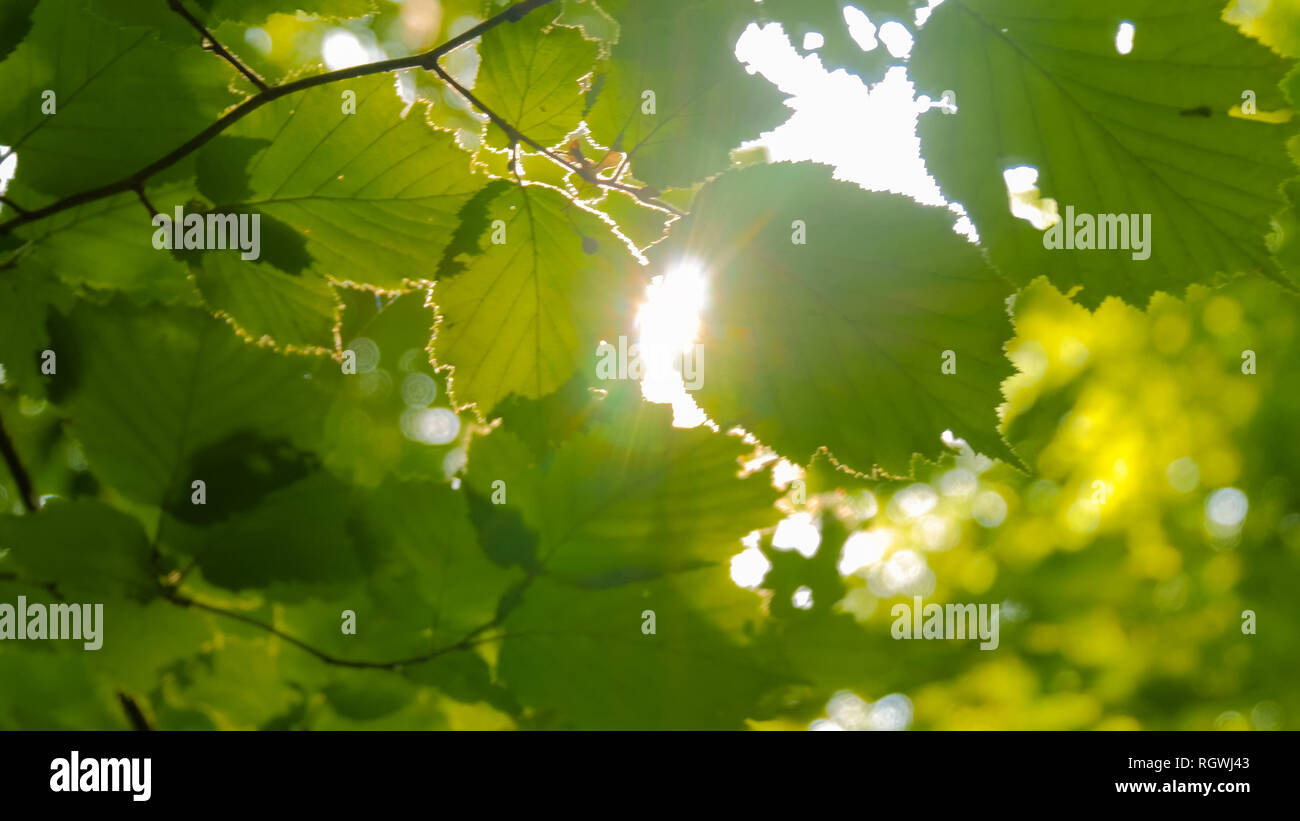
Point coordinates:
[[469, 640], [517, 136], [429, 60], [255, 102], [13, 205], [26, 491], [144, 200], [133, 712], [212, 44]]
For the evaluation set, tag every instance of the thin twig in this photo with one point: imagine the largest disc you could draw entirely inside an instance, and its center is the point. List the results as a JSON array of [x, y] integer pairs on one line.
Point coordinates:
[[211, 43], [144, 200], [429, 60], [26, 490], [517, 136], [133, 712], [255, 102], [13, 205], [469, 640]]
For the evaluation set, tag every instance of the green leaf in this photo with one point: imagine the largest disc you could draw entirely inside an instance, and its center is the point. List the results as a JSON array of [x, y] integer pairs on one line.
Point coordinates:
[[393, 416], [123, 98], [641, 224], [374, 194], [1149, 133], [840, 342], [55, 691], [265, 302], [705, 103], [238, 685], [633, 497], [530, 75], [108, 245], [423, 529], [365, 695], [402, 557], [25, 300], [141, 641], [558, 281], [589, 18], [256, 11], [85, 548], [296, 534], [147, 389], [221, 167], [696, 671], [15, 22]]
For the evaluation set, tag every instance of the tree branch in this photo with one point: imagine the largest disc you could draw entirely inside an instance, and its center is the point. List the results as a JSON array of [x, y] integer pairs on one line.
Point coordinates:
[[211, 43], [144, 200], [260, 99], [13, 205], [469, 640], [517, 136], [26, 491]]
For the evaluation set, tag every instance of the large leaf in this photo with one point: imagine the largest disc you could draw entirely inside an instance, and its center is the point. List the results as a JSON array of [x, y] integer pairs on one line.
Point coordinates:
[[25, 299], [392, 418], [267, 302], [123, 97], [526, 311], [148, 389], [108, 245], [1147, 133], [530, 76], [374, 194], [705, 103], [85, 548], [584, 660], [841, 342], [631, 497]]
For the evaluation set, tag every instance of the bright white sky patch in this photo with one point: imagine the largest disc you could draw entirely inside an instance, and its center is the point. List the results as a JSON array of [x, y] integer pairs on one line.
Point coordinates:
[[1124, 37], [7, 168], [861, 29], [748, 567], [868, 134], [797, 532], [896, 38]]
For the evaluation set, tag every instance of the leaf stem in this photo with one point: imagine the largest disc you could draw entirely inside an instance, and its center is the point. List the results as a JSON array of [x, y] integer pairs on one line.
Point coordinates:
[[212, 44], [26, 490]]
